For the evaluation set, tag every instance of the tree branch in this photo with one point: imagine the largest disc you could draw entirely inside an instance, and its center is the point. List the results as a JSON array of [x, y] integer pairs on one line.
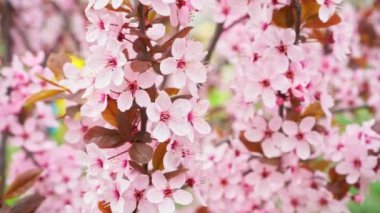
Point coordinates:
[[218, 32], [6, 23], [297, 27], [3, 149]]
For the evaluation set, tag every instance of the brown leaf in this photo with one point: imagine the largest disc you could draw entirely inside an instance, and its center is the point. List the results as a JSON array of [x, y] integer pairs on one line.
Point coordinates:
[[104, 207], [314, 110], [338, 185], [284, 17], [317, 165], [137, 167], [168, 44], [253, 147], [141, 153], [171, 91], [316, 23], [158, 156], [42, 95], [111, 112], [175, 173], [22, 183], [55, 63], [103, 137], [126, 123], [140, 66], [28, 204], [202, 209]]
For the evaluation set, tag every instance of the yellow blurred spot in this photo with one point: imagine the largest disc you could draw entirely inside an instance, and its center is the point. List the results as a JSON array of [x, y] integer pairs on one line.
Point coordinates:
[[76, 61]]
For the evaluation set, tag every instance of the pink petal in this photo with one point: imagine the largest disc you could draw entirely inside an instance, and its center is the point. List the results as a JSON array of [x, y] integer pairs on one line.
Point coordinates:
[[179, 127], [179, 79], [303, 150], [290, 128], [166, 206], [325, 13], [117, 3], [168, 66], [141, 182], [269, 149], [201, 126], [180, 108], [177, 181], [124, 101], [103, 79], [275, 123], [146, 79], [313, 138], [142, 98], [163, 101], [156, 31], [307, 124], [100, 4], [154, 195], [158, 180], [254, 135], [182, 197], [251, 91], [179, 48], [269, 98], [197, 73], [161, 132], [295, 53]]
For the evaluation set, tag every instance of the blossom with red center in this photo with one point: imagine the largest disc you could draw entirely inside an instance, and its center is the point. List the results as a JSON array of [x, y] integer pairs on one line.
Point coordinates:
[[301, 137], [169, 116], [166, 193], [133, 89], [327, 9], [186, 63]]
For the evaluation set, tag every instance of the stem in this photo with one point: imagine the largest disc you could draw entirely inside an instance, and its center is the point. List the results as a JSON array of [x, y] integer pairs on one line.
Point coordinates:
[[237, 21], [3, 149], [218, 32], [297, 27], [6, 24], [31, 157]]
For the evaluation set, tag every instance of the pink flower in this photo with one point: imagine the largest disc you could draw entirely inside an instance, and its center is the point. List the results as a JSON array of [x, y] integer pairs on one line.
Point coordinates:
[[356, 163], [327, 9], [95, 104], [99, 4], [301, 137], [186, 63], [108, 62], [181, 11], [265, 82], [164, 192], [268, 133], [133, 89], [75, 129], [95, 159], [97, 29], [135, 196], [169, 116], [196, 119], [264, 178], [281, 46], [26, 134], [179, 150], [114, 193]]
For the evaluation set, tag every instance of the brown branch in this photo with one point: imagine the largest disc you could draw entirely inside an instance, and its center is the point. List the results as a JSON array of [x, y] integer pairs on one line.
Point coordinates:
[[31, 157], [6, 23], [237, 21], [218, 32], [3, 149], [297, 27]]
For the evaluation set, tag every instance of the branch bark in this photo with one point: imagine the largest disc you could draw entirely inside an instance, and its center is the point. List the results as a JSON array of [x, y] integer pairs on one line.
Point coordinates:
[[297, 28], [3, 148], [218, 32], [6, 23]]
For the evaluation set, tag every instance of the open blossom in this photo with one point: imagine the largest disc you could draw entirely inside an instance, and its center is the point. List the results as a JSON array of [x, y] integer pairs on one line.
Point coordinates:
[[268, 133], [95, 159], [26, 134], [108, 62], [265, 83], [167, 192], [114, 193], [301, 136], [168, 116], [196, 119], [281, 47], [186, 63], [135, 196], [327, 8], [133, 89], [356, 163], [181, 11], [179, 150]]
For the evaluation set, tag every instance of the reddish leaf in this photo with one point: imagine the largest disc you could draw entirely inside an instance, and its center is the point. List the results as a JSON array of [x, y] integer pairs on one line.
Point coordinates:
[[28, 204], [171, 91], [141, 153], [140, 66], [103, 137], [158, 156], [126, 123], [168, 44], [202, 209], [137, 167], [284, 17], [111, 112], [338, 185], [314, 110], [22, 183], [316, 23]]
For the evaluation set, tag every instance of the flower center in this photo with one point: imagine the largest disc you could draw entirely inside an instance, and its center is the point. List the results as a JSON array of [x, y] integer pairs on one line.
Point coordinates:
[[223, 182], [181, 64], [112, 62], [180, 3], [164, 116], [282, 48], [99, 163], [190, 182], [265, 83], [264, 174], [300, 136], [139, 194], [101, 25], [268, 133], [357, 163], [323, 202], [132, 86], [168, 192]]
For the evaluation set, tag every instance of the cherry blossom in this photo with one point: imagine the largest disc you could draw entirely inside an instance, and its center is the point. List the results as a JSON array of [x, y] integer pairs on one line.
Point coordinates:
[[166, 192], [327, 8]]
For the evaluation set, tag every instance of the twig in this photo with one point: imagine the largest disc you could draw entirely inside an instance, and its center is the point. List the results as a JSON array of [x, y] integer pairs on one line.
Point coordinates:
[[6, 28], [31, 157], [349, 109], [297, 27], [218, 32], [237, 21], [3, 149]]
